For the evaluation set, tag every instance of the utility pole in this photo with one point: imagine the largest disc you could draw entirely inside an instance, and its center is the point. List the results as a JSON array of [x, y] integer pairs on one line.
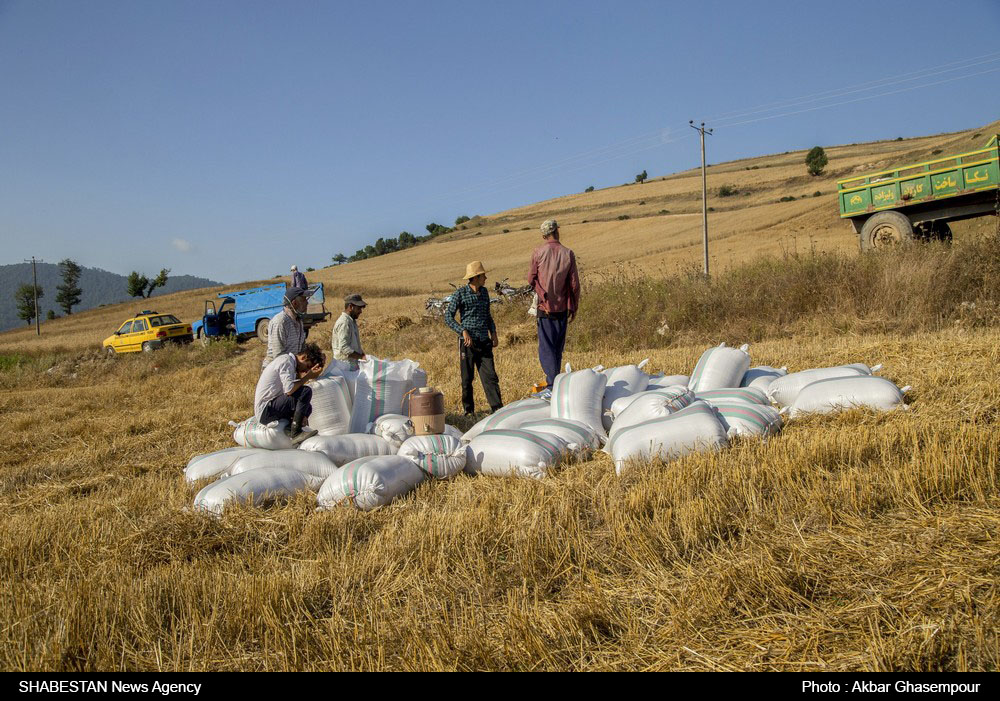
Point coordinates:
[[704, 189], [34, 290]]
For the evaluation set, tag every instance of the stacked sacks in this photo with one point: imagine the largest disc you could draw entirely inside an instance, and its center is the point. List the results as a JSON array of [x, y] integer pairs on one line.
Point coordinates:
[[652, 405], [762, 376], [664, 381], [311, 463], [573, 432], [514, 452], [348, 447], [720, 367], [511, 416], [623, 381], [251, 433], [692, 429], [382, 386], [370, 482], [395, 428], [747, 420], [439, 456], [838, 393], [679, 397], [258, 487], [215, 464], [784, 390], [579, 396], [750, 395]]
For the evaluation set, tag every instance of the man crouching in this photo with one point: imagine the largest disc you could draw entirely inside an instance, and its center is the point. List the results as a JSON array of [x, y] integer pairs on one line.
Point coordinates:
[[282, 392]]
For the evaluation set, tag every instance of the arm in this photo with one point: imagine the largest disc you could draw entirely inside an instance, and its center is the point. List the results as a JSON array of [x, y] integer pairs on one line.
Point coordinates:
[[449, 315], [533, 273], [574, 287]]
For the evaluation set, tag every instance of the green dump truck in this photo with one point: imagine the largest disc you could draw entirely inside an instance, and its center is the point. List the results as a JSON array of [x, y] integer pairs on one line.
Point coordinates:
[[917, 201]]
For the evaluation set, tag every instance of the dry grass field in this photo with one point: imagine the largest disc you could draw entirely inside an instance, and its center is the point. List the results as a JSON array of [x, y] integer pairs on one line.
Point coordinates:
[[855, 542]]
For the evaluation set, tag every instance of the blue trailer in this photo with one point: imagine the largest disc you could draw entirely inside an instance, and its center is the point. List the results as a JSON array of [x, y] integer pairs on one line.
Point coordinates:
[[246, 313]]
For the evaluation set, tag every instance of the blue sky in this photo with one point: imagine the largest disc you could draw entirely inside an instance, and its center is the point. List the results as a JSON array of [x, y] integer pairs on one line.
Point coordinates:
[[228, 139]]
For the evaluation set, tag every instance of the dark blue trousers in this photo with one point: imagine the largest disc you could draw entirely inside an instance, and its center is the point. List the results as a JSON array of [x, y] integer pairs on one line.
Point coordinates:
[[285, 406], [551, 341]]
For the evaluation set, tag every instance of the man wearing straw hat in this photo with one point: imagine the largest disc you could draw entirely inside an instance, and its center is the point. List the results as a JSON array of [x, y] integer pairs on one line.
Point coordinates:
[[477, 337], [554, 278]]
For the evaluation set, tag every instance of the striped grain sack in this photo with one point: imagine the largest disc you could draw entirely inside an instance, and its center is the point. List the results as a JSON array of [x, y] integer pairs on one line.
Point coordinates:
[[257, 487], [784, 390], [623, 381], [664, 381], [573, 432], [370, 482], [394, 428], [437, 456], [748, 420], [381, 389], [720, 367], [331, 406], [251, 433], [310, 462], [510, 416], [693, 429], [215, 464], [652, 405], [579, 396], [751, 395], [762, 376], [350, 446], [514, 452], [839, 393]]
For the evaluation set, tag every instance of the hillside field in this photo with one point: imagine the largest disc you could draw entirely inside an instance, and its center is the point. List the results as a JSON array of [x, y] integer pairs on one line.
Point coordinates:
[[860, 541]]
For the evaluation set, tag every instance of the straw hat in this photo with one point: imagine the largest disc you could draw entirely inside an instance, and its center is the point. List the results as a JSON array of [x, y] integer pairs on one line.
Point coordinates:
[[473, 269]]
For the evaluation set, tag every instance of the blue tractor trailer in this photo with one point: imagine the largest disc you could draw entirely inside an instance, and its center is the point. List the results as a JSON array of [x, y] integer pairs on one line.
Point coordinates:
[[242, 314]]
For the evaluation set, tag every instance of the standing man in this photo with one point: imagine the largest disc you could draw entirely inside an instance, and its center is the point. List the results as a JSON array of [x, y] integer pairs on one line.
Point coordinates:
[[555, 280], [285, 332], [477, 337], [298, 279], [282, 392], [346, 339]]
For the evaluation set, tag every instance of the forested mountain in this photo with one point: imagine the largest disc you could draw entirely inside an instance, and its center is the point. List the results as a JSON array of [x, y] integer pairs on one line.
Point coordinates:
[[99, 287]]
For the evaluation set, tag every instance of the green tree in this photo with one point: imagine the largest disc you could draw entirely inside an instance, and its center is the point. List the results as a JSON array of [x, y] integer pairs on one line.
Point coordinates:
[[816, 160], [159, 281], [462, 219], [51, 315], [25, 300], [641, 177], [339, 259], [137, 284], [589, 189], [406, 239], [68, 294]]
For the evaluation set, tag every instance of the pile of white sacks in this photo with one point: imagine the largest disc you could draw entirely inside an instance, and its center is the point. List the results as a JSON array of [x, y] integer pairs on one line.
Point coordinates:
[[366, 454]]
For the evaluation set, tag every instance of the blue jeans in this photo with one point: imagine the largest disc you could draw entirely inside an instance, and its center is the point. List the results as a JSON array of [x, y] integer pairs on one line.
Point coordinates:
[[551, 342], [286, 406]]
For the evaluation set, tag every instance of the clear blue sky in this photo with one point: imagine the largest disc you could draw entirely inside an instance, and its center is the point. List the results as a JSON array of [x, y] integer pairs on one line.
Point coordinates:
[[229, 139]]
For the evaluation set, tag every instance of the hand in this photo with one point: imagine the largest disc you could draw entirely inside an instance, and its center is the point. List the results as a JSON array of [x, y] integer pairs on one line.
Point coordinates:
[[570, 317], [493, 339], [314, 372], [466, 339]]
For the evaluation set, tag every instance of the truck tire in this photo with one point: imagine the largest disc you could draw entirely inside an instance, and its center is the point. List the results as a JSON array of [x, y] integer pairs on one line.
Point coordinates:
[[202, 338], [884, 230], [147, 347], [262, 330]]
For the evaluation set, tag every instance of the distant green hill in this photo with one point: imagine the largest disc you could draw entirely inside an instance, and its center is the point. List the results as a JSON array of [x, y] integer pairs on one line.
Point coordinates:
[[99, 287]]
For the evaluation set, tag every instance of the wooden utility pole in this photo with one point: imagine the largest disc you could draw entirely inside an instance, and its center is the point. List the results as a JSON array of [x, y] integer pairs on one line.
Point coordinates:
[[704, 189], [34, 291]]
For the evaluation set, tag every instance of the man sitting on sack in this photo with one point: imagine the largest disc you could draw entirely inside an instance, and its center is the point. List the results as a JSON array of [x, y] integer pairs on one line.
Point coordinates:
[[346, 339], [285, 332], [282, 392], [554, 278], [477, 337]]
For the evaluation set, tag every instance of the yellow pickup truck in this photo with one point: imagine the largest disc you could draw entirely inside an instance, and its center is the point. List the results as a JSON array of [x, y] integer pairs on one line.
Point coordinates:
[[147, 331]]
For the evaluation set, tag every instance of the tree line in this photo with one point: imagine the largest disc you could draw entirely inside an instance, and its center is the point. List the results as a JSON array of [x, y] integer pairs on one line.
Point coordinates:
[[398, 243]]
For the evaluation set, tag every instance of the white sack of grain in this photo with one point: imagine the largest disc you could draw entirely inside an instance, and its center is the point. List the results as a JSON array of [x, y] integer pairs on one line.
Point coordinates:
[[339, 368], [623, 381], [370, 482], [784, 390], [573, 432], [251, 433], [437, 456], [308, 461], [258, 487], [664, 381], [350, 446], [762, 376], [394, 428], [331, 406], [652, 405], [215, 464], [720, 367], [510, 416], [679, 395], [514, 452], [450, 430], [381, 389], [839, 393], [748, 420], [580, 396], [695, 428], [751, 395], [863, 369]]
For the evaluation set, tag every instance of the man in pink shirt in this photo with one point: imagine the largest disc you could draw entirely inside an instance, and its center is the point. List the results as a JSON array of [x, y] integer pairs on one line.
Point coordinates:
[[555, 280]]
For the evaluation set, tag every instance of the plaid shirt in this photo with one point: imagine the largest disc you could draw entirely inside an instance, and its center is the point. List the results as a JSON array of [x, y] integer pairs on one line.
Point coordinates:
[[475, 309]]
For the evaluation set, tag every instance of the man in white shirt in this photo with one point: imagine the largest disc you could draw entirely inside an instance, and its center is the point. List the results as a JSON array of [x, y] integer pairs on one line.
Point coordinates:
[[285, 332], [282, 392], [346, 339]]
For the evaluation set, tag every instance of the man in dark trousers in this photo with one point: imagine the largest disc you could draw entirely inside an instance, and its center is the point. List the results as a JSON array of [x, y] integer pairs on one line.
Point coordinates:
[[477, 337], [554, 278]]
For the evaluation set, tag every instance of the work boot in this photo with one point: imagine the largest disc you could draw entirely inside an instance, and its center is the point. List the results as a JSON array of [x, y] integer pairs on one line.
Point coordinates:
[[299, 433]]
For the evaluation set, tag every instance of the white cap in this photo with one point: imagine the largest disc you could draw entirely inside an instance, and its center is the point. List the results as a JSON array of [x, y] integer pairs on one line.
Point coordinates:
[[295, 268]]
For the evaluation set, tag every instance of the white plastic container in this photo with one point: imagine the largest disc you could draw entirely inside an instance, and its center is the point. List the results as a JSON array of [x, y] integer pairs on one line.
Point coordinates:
[[839, 393], [311, 462], [437, 456], [370, 482], [258, 487], [215, 464], [579, 396], [695, 428], [720, 367], [514, 452], [351, 446], [510, 416]]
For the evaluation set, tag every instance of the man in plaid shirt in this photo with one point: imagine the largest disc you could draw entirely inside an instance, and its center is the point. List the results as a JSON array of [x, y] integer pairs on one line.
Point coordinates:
[[478, 337]]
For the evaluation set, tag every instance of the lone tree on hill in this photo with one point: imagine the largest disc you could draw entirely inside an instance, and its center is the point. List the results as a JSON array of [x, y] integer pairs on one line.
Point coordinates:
[[816, 160], [340, 258], [641, 177], [141, 286], [68, 294], [25, 300], [462, 219]]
